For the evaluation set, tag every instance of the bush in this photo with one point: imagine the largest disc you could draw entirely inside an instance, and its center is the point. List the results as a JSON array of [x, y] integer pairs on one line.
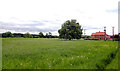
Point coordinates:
[[116, 39], [94, 39]]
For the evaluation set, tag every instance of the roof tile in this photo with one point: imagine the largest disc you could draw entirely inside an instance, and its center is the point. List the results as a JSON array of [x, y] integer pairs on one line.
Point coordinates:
[[99, 33]]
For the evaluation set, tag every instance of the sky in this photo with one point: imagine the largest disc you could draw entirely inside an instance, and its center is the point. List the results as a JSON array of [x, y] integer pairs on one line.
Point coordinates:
[[34, 16]]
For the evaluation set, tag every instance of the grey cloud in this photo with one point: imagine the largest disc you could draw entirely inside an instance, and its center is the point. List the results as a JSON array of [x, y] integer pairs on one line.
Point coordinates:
[[52, 21], [31, 27], [35, 24], [89, 27]]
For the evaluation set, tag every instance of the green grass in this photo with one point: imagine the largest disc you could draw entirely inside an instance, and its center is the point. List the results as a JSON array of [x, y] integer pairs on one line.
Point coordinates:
[[0, 54], [42, 53], [114, 63]]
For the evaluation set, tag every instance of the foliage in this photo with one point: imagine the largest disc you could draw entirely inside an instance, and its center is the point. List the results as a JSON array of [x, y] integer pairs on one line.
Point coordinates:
[[54, 36], [70, 30], [7, 34], [42, 53], [94, 39], [18, 35], [116, 37], [35, 36], [49, 35], [86, 37], [27, 35], [0, 35], [41, 35]]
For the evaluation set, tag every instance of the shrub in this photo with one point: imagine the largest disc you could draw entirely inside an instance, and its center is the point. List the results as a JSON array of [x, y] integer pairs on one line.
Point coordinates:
[[94, 39], [116, 39]]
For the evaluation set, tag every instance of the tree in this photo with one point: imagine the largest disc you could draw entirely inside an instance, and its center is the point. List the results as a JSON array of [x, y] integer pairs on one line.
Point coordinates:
[[116, 37], [41, 35], [50, 34], [27, 35], [47, 36], [7, 34], [70, 30], [4, 35], [11, 35]]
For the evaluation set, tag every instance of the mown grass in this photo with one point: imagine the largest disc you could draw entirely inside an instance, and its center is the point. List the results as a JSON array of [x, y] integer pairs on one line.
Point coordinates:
[[34, 53]]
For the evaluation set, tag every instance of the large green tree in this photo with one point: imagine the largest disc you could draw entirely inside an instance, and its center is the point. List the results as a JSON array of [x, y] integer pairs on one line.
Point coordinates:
[[70, 30]]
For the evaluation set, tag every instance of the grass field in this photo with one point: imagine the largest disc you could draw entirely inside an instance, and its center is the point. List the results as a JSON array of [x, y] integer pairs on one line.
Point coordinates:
[[42, 53], [114, 63]]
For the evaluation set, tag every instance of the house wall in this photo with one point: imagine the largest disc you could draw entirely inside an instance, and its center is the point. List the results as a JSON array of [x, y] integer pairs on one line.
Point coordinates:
[[100, 37]]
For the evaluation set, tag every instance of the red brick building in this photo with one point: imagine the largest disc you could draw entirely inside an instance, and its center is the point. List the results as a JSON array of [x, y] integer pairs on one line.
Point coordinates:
[[100, 36]]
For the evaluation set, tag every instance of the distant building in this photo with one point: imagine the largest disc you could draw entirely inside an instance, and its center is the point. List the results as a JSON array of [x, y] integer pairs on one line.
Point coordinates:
[[100, 36]]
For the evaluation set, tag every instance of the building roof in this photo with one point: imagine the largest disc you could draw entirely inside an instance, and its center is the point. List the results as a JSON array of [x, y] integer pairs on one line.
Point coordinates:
[[99, 33]]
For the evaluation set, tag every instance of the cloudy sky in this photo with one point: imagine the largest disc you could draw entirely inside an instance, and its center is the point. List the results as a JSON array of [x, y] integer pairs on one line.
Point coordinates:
[[34, 16]]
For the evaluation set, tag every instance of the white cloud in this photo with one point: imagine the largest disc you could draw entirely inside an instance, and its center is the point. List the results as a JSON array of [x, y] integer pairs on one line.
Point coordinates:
[[53, 13]]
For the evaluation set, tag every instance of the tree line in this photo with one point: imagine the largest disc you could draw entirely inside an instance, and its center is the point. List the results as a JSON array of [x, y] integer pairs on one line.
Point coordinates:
[[70, 29], [28, 35]]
